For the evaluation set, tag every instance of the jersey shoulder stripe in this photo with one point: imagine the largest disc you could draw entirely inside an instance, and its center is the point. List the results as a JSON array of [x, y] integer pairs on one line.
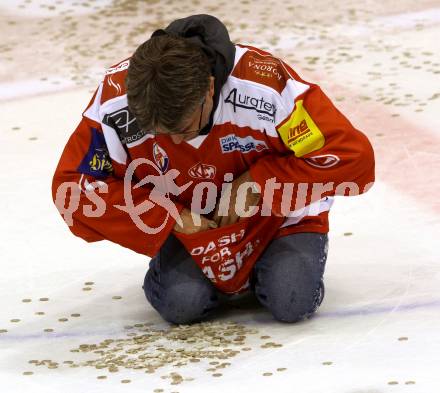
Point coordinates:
[[114, 81]]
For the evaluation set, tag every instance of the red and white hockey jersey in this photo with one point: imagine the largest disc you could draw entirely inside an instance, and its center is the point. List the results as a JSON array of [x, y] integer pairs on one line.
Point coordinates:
[[268, 121]]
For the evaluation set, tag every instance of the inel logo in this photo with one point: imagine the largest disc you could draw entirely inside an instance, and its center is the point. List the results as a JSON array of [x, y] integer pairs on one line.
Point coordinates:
[[300, 129]]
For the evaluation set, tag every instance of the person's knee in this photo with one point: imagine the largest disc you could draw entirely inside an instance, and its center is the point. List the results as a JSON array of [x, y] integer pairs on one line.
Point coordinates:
[[176, 287], [181, 303], [294, 306], [291, 290], [185, 304]]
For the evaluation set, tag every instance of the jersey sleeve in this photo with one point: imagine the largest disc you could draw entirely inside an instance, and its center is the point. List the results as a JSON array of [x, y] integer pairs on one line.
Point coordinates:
[[318, 151], [88, 190]]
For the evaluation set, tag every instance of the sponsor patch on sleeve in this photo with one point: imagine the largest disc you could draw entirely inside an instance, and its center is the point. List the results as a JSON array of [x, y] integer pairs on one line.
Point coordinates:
[[232, 142], [96, 162], [125, 125], [300, 133]]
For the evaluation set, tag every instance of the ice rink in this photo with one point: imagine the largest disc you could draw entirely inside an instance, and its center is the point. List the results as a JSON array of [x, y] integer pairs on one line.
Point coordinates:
[[73, 315]]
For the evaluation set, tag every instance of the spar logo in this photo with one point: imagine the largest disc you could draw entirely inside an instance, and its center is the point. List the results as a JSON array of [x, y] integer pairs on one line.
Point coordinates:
[[160, 158], [202, 171], [266, 110], [232, 142], [323, 160]]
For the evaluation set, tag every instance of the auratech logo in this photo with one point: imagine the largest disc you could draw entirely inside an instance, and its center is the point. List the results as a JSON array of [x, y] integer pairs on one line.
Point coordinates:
[[232, 142], [260, 105]]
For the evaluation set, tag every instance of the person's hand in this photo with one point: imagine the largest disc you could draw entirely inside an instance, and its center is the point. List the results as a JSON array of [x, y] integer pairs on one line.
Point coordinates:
[[241, 199], [193, 223]]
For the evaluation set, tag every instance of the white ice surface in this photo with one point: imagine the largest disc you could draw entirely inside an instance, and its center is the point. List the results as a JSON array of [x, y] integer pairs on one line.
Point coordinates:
[[382, 283]]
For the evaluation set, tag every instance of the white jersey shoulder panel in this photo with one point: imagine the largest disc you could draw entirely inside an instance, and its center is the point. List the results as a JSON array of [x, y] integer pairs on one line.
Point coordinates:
[[248, 103], [117, 105], [92, 112]]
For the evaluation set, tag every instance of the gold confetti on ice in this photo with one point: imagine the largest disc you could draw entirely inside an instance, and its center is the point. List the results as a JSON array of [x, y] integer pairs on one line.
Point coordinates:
[[149, 349], [271, 345]]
